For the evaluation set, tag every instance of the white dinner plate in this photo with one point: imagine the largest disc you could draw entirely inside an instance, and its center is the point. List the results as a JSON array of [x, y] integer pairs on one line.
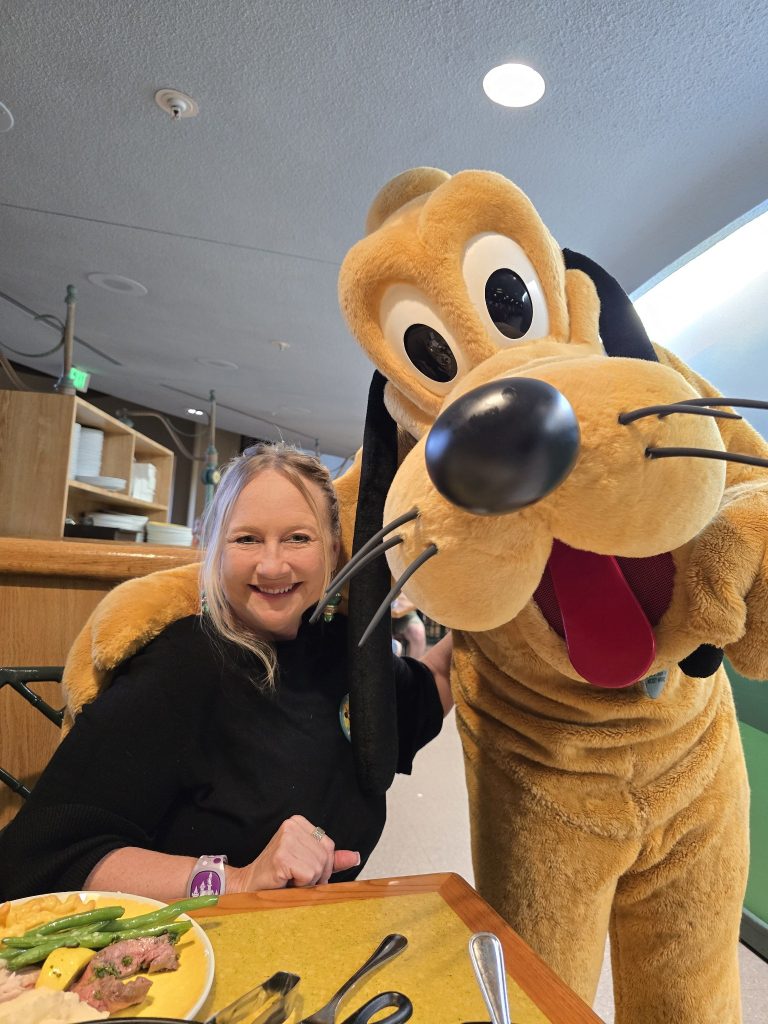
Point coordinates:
[[109, 483], [178, 993]]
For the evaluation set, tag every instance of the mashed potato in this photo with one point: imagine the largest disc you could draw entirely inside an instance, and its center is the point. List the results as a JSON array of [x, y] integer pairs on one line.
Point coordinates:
[[44, 1006]]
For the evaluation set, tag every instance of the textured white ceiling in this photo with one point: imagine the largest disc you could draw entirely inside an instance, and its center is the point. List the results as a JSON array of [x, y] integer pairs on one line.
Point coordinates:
[[652, 135]]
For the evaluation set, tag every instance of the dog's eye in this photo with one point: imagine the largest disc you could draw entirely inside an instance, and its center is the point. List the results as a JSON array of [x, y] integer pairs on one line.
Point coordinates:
[[430, 353], [509, 303], [505, 288], [420, 340]]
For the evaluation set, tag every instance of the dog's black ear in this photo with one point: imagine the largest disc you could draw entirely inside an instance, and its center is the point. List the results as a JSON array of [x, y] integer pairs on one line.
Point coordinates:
[[372, 710], [621, 329]]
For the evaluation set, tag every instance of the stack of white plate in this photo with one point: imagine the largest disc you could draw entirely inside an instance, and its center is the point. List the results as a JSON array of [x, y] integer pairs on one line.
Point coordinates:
[[119, 521], [109, 483], [169, 533], [89, 451], [74, 451]]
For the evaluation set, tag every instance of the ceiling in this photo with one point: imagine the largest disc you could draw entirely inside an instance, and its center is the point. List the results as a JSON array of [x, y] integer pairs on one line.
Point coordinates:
[[651, 136]]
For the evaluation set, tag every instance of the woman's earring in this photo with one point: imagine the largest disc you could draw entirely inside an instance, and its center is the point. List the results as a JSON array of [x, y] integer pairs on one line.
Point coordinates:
[[330, 609], [203, 604]]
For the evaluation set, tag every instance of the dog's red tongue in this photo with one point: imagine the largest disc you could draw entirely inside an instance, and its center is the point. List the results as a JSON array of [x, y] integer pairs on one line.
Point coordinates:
[[610, 641]]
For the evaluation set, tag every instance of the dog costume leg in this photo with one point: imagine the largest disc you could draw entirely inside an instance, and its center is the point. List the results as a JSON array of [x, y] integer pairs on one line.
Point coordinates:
[[552, 881], [675, 927]]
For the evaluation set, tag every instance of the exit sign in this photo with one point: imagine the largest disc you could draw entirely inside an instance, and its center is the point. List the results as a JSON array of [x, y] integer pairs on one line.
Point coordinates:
[[80, 379]]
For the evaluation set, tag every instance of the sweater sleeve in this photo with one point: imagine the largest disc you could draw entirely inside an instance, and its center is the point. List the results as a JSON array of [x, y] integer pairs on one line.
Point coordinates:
[[111, 781], [419, 711]]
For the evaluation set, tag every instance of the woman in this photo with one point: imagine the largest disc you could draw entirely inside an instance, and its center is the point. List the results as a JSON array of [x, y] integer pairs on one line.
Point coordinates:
[[224, 737]]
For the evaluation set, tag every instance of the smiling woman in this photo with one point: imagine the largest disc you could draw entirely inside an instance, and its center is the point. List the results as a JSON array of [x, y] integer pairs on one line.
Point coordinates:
[[271, 539], [228, 731]]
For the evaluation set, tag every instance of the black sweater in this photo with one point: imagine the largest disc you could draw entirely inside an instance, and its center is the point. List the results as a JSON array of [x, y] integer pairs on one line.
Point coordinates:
[[183, 754]]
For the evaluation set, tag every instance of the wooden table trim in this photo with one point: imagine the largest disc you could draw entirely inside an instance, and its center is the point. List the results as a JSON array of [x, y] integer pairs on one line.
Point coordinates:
[[541, 984], [105, 560]]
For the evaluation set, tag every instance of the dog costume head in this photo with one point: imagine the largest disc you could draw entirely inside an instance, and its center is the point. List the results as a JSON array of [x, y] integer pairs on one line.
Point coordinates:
[[550, 511]]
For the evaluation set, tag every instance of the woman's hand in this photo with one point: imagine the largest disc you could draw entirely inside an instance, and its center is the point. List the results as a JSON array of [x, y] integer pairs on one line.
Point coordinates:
[[438, 659], [293, 856]]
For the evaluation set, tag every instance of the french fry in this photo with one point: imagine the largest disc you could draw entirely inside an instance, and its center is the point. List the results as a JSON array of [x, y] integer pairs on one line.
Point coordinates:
[[16, 920]]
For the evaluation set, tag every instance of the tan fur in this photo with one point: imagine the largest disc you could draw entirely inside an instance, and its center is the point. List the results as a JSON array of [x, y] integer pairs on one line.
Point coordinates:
[[591, 809], [125, 621]]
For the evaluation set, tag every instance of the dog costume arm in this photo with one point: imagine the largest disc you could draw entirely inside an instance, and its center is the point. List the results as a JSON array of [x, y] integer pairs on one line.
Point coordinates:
[[728, 569], [121, 624]]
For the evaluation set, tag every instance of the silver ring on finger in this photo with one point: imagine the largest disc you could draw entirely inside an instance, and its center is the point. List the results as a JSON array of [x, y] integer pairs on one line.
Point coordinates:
[[318, 833]]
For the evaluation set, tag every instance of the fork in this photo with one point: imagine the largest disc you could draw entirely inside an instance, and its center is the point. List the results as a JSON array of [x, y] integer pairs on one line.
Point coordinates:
[[389, 947]]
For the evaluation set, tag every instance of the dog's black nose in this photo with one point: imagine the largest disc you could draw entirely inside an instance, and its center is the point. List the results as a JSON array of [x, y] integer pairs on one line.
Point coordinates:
[[503, 445]]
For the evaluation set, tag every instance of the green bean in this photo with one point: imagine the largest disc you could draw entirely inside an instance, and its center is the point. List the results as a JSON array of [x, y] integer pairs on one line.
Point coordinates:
[[21, 941], [161, 915], [85, 919], [16, 958], [173, 928], [98, 940], [37, 953]]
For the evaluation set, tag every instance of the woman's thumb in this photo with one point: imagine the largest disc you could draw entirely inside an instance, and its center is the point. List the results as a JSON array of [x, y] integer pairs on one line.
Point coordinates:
[[343, 860]]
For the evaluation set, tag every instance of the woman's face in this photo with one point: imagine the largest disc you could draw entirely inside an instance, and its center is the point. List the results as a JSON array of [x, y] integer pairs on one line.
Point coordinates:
[[272, 566]]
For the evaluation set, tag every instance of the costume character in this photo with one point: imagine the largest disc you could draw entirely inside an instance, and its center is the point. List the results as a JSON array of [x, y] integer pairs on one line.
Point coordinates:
[[590, 518]]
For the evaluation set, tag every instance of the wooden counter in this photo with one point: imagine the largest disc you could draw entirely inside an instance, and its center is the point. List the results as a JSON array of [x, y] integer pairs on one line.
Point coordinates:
[[48, 588]]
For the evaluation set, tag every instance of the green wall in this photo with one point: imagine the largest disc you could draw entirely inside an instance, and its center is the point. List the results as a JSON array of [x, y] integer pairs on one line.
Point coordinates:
[[751, 700]]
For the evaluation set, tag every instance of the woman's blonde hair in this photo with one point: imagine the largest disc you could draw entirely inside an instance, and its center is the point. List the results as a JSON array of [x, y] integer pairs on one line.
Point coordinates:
[[300, 469]]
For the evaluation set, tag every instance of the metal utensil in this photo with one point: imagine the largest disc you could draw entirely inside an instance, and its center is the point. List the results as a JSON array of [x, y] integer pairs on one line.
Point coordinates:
[[488, 961], [403, 1009], [390, 947], [276, 998]]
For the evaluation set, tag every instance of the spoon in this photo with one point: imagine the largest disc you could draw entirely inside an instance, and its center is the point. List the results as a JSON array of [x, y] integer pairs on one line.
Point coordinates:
[[488, 961]]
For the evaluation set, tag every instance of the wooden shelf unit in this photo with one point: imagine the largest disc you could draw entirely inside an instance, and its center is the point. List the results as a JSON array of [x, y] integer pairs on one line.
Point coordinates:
[[36, 438]]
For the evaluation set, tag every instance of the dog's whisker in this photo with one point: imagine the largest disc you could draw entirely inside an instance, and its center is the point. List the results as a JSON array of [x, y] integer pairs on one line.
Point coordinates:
[[406, 517], [675, 407], [744, 403], [351, 569], [417, 563], [371, 543], [705, 453]]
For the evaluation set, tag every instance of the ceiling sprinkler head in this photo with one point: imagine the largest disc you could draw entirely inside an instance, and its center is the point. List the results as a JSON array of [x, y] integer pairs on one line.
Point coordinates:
[[176, 103]]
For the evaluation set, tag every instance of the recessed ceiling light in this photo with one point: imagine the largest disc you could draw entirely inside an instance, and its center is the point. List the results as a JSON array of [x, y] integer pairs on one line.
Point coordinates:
[[117, 283], [195, 412], [513, 85], [219, 364]]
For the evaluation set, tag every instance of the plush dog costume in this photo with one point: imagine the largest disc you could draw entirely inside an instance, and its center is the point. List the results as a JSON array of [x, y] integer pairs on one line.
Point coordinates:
[[592, 578], [592, 583]]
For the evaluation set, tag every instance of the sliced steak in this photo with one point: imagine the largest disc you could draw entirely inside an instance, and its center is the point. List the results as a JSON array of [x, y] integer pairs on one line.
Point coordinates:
[[111, 994], [100, 985], [121, 959]]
